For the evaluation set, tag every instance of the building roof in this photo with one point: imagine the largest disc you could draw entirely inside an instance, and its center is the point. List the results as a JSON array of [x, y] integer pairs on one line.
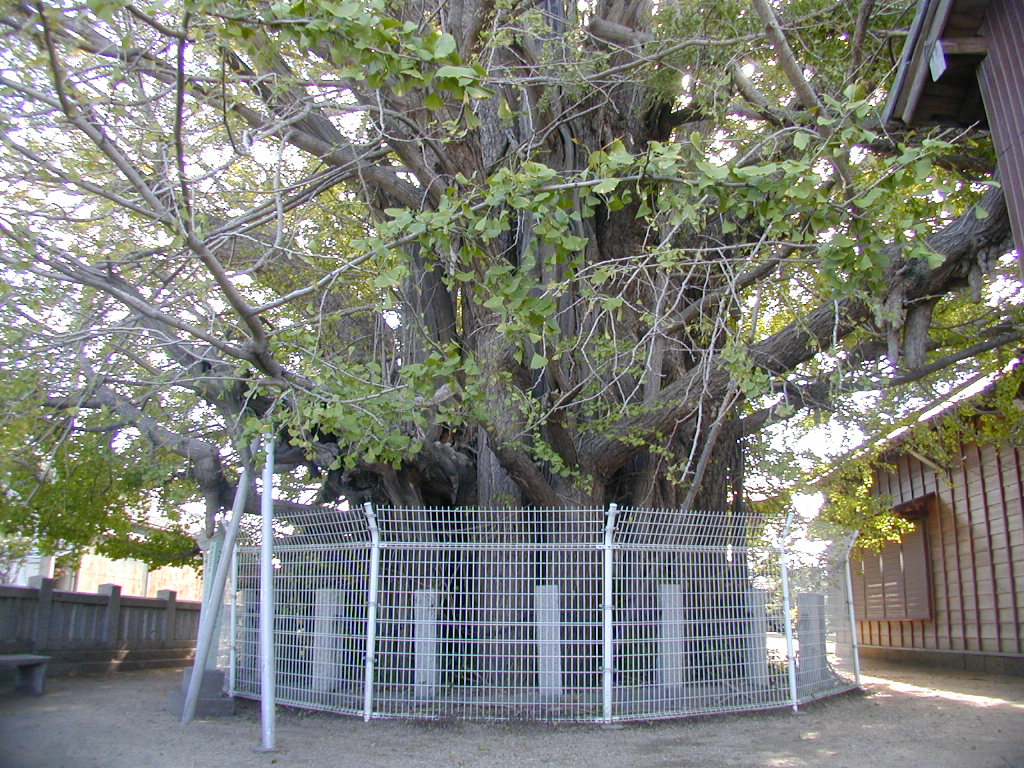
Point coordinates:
[[936, 81]]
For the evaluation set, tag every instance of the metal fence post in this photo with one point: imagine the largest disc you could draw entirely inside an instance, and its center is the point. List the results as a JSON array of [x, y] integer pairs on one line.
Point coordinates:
[[233, 626], [371, 610], [268, 687], [608, 629], [854, 643], [786, 618]]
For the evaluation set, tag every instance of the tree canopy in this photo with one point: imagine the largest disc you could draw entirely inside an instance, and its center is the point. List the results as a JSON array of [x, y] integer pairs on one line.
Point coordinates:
[[481, 251]]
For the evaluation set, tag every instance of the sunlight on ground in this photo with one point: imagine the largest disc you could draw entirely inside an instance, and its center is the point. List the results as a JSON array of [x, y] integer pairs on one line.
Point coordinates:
[[936, 693]]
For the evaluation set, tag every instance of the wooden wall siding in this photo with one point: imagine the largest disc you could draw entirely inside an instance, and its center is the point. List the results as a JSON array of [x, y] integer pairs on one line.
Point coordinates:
[[975, 533], [1001, 77]]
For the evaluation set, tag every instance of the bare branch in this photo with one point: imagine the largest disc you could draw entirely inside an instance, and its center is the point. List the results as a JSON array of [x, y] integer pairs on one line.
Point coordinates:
[[787, 59]]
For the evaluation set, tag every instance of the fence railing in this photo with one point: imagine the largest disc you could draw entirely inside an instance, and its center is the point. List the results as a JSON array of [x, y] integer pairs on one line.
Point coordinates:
[[97, 632], [580, 615]]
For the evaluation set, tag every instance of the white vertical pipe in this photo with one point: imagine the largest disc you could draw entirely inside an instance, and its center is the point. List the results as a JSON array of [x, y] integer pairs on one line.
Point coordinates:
[[854, 643], [268, 693], [371, 611], [233, 626], [786, 618], [214, 599], [607, 668]]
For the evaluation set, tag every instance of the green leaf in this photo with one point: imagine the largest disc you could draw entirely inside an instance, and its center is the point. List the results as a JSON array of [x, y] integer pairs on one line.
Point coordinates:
[[574, 242], [444, 46], [869, 197], [495, 303], [465, 75], [433, 101], [538, 170], [801, 140], [391, 277], [716, 172], [476, 92]]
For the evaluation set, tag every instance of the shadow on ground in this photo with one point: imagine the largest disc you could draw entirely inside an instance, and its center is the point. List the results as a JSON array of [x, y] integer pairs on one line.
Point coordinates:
[[905, 718]]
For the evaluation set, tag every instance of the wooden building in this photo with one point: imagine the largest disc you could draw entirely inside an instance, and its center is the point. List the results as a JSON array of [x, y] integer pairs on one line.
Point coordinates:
[[962, 65], [952, 592]]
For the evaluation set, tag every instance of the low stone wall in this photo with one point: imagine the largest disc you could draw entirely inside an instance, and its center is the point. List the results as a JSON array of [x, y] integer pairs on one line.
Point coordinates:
[[97, 633], [972, 661]]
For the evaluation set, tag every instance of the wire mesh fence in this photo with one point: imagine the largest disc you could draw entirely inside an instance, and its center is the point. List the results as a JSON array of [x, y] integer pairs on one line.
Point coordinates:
[[580, 615]]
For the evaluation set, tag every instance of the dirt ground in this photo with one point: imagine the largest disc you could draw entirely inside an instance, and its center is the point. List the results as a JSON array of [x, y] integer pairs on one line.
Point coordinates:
[[905, 718]]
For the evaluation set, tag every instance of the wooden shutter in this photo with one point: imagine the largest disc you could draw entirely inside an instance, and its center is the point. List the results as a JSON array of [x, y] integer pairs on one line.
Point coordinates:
[[895, 584], [894, 603], [916, 574], [874, 600]]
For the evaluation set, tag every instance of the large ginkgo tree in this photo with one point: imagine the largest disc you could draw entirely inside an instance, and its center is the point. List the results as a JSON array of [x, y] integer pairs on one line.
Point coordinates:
[[483, 252]]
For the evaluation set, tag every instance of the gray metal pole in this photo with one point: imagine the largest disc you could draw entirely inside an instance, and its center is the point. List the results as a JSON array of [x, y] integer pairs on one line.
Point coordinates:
[[233, 629], [214, 600], [786, 620], [371, 611], [854, 642], [608, 659], [267, 682]]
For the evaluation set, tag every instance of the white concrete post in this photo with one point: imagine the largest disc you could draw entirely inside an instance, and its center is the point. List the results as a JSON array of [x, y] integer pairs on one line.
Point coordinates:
[[812, 669], [328, 615], [756, 663], [672, 636], [548, 619], [425, 643], [112, 613]]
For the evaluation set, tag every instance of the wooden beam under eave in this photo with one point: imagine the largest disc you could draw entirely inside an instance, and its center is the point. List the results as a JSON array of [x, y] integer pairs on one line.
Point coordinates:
[[965, 46], [945, 48]]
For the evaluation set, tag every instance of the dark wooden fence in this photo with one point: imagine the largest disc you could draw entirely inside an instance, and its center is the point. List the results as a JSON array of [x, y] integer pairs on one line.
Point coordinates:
[[105, 632]]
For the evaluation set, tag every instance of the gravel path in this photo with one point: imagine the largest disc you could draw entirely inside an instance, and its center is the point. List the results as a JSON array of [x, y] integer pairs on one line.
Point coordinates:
[[906, 718]]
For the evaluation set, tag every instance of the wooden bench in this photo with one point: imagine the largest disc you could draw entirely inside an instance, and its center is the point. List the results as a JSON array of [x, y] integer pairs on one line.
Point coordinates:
[[29, 670]]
